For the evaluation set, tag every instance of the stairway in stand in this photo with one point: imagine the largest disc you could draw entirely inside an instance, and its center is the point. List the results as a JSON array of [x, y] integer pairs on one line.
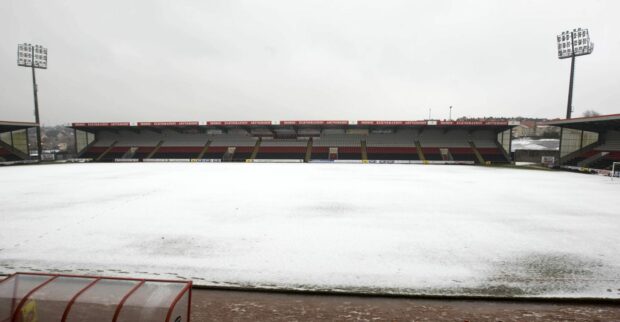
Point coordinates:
[[308, 151], [476, 152], [256, 147], [130, 153], [228, 155], [204, 150], [418, 148], [155, 149], [106, 151], [364, 153]]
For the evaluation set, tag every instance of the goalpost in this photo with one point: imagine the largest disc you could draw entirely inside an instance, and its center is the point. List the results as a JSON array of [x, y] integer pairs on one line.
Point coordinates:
[[615, 170]]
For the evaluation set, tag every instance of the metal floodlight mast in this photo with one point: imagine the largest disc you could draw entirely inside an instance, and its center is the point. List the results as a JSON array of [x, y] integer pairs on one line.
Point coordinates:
[[570, 45], [33, 56]]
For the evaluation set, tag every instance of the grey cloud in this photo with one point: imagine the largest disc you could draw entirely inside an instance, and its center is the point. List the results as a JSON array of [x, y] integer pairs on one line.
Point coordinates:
[[270, 60]]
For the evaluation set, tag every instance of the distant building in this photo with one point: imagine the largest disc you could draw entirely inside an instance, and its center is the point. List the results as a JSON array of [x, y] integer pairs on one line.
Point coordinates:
[[533, 129]]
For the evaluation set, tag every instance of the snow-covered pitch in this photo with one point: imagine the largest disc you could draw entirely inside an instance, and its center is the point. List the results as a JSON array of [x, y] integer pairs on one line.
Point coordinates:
[[416, 229]]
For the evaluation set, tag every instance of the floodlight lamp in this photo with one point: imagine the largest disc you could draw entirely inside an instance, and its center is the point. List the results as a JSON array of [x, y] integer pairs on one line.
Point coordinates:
[[32, 56], [574, 43]]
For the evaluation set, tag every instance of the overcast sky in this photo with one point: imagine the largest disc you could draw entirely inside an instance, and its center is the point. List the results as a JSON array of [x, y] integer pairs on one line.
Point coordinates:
[[117, 60]]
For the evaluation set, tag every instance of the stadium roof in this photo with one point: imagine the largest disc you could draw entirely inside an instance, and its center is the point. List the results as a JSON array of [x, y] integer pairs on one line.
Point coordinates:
[[594, 123], [98, 126], [6, 126]]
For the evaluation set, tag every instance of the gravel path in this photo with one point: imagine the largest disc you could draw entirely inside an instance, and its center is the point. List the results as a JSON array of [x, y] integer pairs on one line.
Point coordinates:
[[210, 305]]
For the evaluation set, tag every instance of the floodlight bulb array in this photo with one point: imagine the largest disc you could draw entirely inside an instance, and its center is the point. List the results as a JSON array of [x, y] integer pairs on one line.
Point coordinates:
[[27, 54], [577, 39]]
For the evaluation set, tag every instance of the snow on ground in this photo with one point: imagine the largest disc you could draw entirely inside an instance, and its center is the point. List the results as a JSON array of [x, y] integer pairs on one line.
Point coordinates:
[[417, 229]]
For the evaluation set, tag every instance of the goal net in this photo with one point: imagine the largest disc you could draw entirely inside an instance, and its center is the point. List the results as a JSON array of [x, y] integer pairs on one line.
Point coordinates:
[[615, 170]]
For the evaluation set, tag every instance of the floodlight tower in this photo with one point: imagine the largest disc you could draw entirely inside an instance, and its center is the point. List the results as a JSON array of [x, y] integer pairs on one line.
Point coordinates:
[[570, 45], [33, 56]]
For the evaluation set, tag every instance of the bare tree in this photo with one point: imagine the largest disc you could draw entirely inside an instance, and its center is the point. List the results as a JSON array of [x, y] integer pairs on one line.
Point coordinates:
[[591, 113]]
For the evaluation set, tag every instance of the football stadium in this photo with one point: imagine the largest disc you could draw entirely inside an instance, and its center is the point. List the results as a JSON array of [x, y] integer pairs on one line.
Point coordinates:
[[308, 186], [381, 207], [423, 209]]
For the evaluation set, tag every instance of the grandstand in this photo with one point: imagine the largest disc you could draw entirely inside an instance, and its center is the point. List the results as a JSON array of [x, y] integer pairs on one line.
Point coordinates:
[[589, 142], [14, 141], [478, 142]]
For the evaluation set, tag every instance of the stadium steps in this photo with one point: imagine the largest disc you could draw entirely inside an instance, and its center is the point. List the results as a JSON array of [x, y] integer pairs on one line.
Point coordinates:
[[204, 150], [450, 156], [106, 151], [90, 145], [308, 151], [333, 153], [476, 152], [14, 151], [364, 152], [228, 155], [155, 149], [256, 147], [130, 153], [605, 163], [418, 148], [573, 155], [505, 153], [592, 160], [446, 155]]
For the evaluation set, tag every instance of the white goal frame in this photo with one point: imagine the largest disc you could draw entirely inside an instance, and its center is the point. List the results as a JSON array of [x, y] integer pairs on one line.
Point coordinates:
[[615, 167]]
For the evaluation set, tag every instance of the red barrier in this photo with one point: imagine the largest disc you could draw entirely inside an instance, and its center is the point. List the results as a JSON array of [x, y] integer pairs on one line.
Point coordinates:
[[186, 123], [180, 149], [332, 122], [488, 151], [282, 149], [474, 123], [388, 123], [101, 124], [241, 123], [349, 149], [392, 150]]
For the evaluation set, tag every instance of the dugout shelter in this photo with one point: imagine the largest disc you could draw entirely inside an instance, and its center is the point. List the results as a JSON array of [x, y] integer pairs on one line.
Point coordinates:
[[70, 298]]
